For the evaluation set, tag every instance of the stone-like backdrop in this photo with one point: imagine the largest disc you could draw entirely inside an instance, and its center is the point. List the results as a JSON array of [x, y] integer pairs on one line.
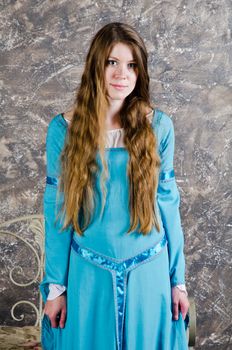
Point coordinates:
[[44, 45]]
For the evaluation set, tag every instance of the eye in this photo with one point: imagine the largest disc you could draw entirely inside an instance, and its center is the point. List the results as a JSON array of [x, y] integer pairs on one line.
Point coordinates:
[[132, 65], [111, 62]]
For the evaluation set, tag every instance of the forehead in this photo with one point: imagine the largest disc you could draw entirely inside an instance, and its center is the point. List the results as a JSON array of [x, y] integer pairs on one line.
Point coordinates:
[[122, 51]]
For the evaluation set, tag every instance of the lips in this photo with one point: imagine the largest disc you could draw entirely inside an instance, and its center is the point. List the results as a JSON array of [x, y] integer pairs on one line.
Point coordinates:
[[118, 86]]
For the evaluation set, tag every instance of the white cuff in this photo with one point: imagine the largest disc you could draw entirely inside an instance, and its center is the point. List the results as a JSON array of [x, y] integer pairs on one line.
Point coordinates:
[[182, 288], [55, 290]]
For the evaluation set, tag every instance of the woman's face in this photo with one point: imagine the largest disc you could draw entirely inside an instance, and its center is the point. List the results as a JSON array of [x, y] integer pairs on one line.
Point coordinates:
[[121, 72]]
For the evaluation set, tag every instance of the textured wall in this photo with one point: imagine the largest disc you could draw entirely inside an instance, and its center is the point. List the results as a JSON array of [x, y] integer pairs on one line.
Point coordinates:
[[44, 45]]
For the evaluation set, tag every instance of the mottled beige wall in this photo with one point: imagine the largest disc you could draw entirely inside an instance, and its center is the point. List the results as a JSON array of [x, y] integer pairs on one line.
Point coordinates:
[[44, 44]]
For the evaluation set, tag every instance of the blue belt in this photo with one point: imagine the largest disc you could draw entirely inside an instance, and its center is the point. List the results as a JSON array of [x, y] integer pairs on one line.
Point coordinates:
[[119, 271]]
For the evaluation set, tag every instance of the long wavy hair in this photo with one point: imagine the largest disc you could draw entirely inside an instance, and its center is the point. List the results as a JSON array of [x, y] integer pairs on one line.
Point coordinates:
[[87, 136]]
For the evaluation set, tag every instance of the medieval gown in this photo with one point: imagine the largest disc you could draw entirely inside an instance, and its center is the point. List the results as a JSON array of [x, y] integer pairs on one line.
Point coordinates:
[[118, 284]]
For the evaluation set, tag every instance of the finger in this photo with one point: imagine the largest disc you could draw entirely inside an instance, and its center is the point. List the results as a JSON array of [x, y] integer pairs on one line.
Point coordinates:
[[183, 312], [62, 318], [175, 310], [54, 321], [184, 309]]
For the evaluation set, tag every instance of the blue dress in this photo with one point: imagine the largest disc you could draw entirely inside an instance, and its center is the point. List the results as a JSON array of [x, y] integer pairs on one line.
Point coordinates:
[[118, 285]]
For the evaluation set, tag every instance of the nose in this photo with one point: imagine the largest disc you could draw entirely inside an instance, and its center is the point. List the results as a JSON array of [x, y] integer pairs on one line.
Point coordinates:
[[121, 71]]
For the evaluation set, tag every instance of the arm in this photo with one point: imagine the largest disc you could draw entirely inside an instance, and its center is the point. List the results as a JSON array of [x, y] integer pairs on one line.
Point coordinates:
[[57, 242], [168, 198], [168, 201]]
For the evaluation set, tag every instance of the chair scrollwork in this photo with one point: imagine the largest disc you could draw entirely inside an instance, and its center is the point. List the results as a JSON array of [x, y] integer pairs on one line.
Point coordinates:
[[23, 240]]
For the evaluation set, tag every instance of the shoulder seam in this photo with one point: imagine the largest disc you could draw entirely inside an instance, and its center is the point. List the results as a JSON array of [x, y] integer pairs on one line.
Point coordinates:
[[156, 118], [58, 119]]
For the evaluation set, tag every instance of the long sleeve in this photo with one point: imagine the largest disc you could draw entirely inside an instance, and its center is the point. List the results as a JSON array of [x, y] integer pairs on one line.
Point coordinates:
[[57, 241], [168, 198]]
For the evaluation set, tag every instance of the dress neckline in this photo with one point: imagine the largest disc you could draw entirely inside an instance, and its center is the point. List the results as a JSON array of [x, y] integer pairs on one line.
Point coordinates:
[[109, 130], [109, 149]]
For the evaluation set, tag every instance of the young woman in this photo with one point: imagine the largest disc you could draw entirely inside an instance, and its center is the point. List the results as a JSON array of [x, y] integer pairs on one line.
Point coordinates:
[[114, 268]]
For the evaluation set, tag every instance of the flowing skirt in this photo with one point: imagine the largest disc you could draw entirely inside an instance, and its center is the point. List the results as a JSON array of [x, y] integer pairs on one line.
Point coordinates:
[[118, 305]]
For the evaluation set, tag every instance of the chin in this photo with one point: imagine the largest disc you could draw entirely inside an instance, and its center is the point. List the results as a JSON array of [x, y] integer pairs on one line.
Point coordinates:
[[119, 96]]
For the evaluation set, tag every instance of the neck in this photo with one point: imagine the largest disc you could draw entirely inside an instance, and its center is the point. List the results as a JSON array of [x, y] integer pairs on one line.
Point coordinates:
[[112, 114]]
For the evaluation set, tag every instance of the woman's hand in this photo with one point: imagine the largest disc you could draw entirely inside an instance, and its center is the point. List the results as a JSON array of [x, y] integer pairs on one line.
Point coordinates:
[[179, 302], [56, 311]]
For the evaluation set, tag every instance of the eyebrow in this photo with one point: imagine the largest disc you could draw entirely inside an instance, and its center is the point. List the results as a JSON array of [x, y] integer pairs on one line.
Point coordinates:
[[115, 58]]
